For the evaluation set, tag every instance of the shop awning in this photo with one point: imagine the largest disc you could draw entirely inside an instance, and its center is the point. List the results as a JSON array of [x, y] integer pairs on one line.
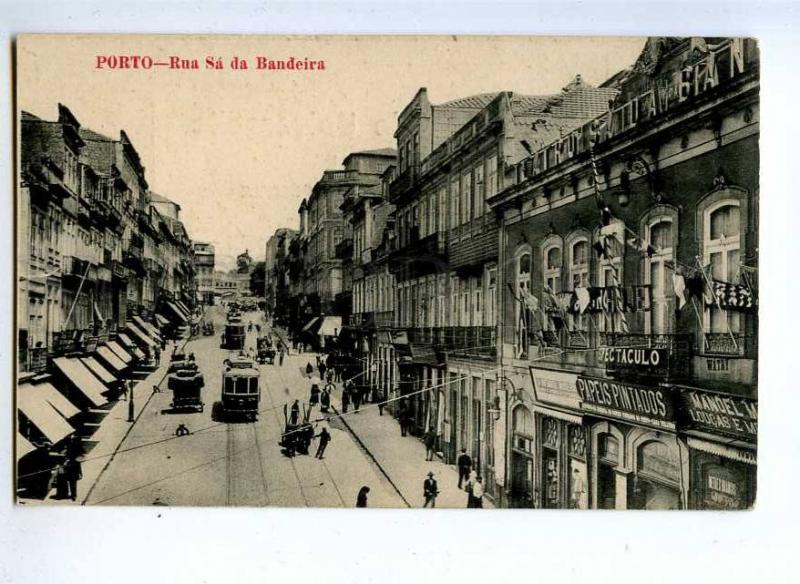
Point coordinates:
[[162, 322], [83, 379], [177, 311], [183, 307], [121, 353], [95, 367], [125, 341], [732, 449], [111, 358], [41, 414], [57, 399], [330, 326], [309, 324], [141, 335], [23, 446], [150, 329]]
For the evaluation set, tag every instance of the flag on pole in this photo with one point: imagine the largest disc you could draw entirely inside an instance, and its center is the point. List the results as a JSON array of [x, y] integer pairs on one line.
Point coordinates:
[[679, 286], [583, 298], [640, 245]]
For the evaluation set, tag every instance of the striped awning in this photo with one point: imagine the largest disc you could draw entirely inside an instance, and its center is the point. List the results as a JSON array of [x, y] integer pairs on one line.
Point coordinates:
[[140, 334], [178, 312], [148, 328], [33, 405], [121, 353], [24, 446], [162, 322], [731, 449], [102, 373], [83, 379]]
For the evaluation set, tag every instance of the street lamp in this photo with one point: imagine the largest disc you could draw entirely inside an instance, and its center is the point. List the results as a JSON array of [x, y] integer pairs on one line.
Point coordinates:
[[130, 401]]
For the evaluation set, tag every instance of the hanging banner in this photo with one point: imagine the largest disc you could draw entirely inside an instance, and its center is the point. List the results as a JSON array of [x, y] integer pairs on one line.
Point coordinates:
[[732, 296]]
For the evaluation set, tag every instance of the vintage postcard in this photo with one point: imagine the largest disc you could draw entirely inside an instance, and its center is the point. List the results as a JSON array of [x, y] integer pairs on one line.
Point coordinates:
[[384, 271]]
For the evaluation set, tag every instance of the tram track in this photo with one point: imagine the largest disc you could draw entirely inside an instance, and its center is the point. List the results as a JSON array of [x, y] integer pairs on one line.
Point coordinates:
[[230, 450], [264, 482]]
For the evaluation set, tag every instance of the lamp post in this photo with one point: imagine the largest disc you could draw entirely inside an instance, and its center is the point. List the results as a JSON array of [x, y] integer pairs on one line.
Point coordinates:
[[505, 380], [130, 401]]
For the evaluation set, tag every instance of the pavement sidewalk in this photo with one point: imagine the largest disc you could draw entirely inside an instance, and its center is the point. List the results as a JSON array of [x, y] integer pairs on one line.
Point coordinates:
[[111, 434], [401, 458]]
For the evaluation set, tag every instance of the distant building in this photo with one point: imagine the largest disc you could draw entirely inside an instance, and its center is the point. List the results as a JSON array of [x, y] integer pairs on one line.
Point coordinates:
[[276, 278], [204, 271]]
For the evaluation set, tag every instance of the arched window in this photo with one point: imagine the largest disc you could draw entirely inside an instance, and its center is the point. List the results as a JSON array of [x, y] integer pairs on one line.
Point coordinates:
[[552, 268], [578, 269], [722, 251], [609, 270], [522, 317], [660, 234]]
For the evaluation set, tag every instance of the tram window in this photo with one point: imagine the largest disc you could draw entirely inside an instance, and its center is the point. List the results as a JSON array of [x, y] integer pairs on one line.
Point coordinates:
[[253, 385], [228, 385], [241, 385]]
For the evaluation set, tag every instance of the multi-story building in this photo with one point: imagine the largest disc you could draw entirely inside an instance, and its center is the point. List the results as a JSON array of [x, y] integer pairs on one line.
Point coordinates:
[[628, 285], [92, 248], [276, 277], [322, 228], [173, 259], [447, 245], [225, 285], [204, 271]]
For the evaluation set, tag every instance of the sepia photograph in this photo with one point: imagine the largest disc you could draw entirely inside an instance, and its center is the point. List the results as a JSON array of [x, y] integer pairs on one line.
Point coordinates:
[[404, 272]]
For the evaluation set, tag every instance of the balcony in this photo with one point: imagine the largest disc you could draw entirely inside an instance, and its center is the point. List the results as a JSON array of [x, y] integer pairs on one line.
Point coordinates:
[[36, 360], [474, 243], [403, 184], [344, 249], [460, 341], [339, 176], [420, 257], [72, 266]]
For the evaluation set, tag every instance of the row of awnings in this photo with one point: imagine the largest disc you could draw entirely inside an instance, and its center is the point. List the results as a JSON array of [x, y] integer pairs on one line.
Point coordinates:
[[324, 326], [83, 380]]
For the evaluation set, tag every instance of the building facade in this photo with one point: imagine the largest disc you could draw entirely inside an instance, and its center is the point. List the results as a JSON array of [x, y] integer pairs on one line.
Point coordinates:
[[628, 284], [204, 258], [276, 277], [446, 253], [91, 243]]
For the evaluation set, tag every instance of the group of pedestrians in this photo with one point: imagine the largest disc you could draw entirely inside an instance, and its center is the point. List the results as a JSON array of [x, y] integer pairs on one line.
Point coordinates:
[[470, 479]]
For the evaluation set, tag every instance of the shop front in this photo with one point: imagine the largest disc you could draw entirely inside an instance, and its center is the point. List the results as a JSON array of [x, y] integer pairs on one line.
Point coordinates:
[[720, 430], [636, 458]]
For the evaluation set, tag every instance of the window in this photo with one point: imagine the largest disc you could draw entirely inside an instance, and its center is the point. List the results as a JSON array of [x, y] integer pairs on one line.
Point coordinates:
[[467, 202], [491, 176], [609, 274], [455, 202], [552, 268], [721, 249], [480, 191], [477, 286], [660, 237], [578, 276], [523, 320], [442, 209], [465, 302], [491, 297]]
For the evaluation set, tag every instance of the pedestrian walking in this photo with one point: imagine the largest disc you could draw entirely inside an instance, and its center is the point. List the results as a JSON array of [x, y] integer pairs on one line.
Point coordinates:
[[430, 489], [318, 361], [476, 496], [125, 389], [324, 439], [309, 368], [157, 353], [314, 399], [281, 355], [322, 368], [464, 464], [361, 500], [345, 398], [62, 484], [430, 445], [74, 473], [356, 393], [295, 414]]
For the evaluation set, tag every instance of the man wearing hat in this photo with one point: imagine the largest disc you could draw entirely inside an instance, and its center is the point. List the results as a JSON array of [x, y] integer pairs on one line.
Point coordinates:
[[430, 489]]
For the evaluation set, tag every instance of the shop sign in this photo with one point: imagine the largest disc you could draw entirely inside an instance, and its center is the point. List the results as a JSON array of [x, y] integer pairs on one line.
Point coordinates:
[[722, 489], [701, 73], [640, 359], [555, 387], [625, 400], [720, 413]]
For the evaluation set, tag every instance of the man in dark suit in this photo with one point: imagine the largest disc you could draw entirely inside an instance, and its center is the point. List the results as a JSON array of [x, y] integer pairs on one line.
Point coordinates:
[[430, 489]]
